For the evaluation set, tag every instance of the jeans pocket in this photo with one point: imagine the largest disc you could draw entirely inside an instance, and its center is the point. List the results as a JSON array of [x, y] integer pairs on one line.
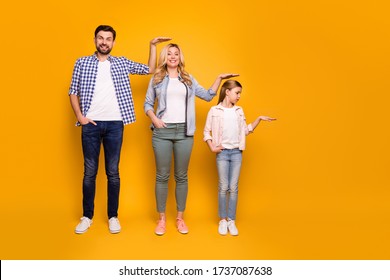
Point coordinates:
[[87, 124], [155, 131], [89, 128]]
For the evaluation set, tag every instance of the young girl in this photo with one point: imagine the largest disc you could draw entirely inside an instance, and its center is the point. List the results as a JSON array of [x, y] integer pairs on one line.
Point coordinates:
[[225, 132]]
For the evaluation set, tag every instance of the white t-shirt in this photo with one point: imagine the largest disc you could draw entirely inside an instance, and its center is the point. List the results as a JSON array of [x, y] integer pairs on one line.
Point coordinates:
[[230, 129], [175, 111], [104, 106]]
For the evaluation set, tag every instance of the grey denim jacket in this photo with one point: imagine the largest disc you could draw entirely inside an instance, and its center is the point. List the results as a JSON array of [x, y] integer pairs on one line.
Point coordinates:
[[159, 92]]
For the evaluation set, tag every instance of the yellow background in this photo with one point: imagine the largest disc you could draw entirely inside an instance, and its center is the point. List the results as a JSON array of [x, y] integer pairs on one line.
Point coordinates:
[[314, 184]]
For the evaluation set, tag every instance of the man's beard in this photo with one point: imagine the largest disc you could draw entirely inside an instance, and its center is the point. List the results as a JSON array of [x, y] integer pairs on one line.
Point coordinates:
[[105, 52]]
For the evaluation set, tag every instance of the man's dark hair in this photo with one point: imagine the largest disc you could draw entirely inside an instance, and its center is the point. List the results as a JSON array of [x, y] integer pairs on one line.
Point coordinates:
[[105, 28]]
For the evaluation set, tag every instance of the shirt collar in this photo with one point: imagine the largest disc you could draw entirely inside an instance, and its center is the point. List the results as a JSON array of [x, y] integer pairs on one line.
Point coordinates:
[[109, 58]]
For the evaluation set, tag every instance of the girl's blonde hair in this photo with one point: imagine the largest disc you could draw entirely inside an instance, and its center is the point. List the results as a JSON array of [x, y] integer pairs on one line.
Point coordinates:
[[228, 85], [161, 70]]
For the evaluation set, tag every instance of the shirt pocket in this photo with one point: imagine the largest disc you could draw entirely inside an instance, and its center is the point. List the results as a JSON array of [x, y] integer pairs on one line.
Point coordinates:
[[216, 117]]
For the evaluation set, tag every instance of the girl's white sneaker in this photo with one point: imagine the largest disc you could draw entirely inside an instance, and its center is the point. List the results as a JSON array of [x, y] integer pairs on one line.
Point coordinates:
[[223, 227], [232, 227]]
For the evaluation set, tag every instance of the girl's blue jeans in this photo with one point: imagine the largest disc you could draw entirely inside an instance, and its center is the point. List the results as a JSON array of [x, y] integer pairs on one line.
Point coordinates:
[[229, 166]]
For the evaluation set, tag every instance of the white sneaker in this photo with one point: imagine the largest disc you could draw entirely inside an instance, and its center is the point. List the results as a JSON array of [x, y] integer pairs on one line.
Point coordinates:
[[223, 227], [83, 225], [232, 227], [114, 225]]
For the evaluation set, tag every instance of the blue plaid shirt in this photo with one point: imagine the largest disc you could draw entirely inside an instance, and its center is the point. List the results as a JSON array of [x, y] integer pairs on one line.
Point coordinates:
[[84, 80]]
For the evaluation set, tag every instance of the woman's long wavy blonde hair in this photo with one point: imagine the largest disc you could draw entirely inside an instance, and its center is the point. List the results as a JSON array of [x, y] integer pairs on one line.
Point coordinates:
[[161, 70]]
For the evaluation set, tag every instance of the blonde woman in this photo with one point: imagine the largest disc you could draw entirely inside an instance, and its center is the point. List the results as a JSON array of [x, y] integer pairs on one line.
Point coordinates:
[[173, 125]]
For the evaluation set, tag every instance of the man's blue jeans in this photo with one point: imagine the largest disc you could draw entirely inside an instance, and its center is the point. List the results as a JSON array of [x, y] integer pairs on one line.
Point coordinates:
[[110, 133], [228, 166]]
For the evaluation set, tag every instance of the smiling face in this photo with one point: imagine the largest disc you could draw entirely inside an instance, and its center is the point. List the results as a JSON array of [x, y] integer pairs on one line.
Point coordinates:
[[233, 95], [104, 41], [173, 57]]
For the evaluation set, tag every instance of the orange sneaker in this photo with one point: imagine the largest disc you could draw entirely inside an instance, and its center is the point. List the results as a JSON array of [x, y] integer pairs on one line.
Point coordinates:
[[181, 226], [160, 228]]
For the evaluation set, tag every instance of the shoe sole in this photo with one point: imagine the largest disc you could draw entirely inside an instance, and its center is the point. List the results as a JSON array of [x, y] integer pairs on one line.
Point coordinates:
[[115, 231], [159, 231], [81, 232], [223, 232]]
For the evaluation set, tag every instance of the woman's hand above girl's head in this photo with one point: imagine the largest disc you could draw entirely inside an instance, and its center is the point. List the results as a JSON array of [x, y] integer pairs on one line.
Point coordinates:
[[219, 79]]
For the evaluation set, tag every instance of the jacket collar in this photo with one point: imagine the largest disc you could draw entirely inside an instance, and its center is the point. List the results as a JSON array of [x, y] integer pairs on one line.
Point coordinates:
[[180, 78], [219, 106]]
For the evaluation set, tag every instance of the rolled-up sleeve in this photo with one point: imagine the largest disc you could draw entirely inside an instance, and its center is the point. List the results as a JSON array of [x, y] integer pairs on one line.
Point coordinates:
[[150, 97], [75, 84], [136, 68], [248, 127], [207, 127]]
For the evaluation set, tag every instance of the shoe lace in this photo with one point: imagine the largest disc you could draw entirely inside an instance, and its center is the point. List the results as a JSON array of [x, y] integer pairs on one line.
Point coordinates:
[[180, 223], [85, 219], [161, 224], [114, 221]]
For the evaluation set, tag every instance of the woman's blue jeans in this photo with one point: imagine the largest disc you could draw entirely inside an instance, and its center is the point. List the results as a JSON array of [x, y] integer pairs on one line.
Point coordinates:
[[228, 166], [110, 133]]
